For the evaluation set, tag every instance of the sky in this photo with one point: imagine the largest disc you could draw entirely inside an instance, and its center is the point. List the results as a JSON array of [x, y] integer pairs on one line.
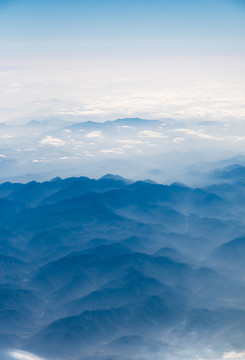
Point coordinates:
[[103, 58], [122, 28]]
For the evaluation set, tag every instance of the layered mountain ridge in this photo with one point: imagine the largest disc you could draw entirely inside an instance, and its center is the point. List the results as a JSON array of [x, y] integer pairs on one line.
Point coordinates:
[[116, 269]]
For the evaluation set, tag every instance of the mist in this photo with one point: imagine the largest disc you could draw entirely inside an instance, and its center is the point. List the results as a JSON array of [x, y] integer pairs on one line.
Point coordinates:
[[162, 150]]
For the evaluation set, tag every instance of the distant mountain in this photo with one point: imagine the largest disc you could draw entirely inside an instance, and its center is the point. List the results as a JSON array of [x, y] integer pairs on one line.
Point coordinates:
[[230, 173], [231, 254], [136, 122], [45, 123]]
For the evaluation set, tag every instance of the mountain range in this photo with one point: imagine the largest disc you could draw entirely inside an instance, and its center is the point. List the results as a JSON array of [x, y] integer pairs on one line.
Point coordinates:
[[120, 269]]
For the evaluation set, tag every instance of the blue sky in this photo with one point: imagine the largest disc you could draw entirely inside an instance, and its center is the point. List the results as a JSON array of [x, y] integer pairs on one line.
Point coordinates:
[[107, 27], [110, 58]]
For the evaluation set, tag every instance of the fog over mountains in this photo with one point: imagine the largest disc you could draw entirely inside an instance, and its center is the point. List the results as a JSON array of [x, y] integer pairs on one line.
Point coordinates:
[[121, 269], [164, 150]]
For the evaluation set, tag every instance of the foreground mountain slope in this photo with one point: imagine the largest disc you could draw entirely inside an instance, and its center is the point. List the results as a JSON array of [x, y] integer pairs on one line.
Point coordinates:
[[115, 269]]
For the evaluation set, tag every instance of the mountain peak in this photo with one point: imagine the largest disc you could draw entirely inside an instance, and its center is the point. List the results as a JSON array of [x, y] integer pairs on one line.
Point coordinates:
[[113, 177]]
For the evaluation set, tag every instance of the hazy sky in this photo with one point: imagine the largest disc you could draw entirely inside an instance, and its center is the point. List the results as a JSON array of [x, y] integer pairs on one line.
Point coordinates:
[[122, 28], [113, 58]]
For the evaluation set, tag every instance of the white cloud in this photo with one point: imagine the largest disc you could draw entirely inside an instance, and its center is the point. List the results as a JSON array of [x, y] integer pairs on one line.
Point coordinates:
[[151, 134], [63, 158], [50, 140], [124, 127], [23, 355], [87, 153], [199, 134], [156, 90], [6, 136], [94, 134], [2, 156], [43, 160], [106, 151], [112, 151], [239, 138], [128, 146], [130, 141], [13, 88], [234, 355], [68, 157]]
